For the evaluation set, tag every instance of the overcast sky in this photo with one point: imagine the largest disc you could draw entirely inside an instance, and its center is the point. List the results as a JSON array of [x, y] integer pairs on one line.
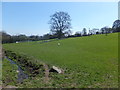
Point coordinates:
[[31, 18]]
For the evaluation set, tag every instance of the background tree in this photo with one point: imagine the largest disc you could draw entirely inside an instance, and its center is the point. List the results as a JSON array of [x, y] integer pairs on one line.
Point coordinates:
[[106, 30], [60, 22], [68, 33], [78, 34], [84, 31], [22, 37], [6, 38], [102, 30], [116, 26], [95, 31], [46, 36], [90, 32], [34, 38]]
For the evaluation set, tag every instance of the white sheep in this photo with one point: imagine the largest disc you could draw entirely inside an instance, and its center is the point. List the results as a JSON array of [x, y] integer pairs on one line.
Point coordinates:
[[58, 44], [17, 42]]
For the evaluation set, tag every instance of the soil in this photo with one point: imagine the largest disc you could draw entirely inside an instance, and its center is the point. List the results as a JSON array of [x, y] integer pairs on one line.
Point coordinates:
[[46, 79], [9, 86]]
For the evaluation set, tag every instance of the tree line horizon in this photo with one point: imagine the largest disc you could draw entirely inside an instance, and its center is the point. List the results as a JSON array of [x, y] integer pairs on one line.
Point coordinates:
[[60, 25]]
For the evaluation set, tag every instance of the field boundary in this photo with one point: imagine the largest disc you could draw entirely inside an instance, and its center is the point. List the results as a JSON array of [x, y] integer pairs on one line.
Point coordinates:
[[27, 63]]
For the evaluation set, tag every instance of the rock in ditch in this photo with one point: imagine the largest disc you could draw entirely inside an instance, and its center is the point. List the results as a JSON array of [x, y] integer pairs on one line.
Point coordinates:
[[55, 69]]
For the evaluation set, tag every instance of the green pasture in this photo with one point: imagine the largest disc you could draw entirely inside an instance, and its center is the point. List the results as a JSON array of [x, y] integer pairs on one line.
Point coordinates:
[[9, 73], [1, 72], [90, 61]]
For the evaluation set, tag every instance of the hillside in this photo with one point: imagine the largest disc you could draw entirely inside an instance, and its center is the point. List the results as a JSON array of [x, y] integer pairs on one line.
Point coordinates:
[[90, 61]]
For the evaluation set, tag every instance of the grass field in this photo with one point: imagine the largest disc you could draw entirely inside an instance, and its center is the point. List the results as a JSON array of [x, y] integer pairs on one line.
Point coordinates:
[[90, 61], [0, 73], [9, 73]]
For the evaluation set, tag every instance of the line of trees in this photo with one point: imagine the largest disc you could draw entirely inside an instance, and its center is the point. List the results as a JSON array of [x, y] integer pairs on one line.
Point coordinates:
[[6, 38], [60, 25]]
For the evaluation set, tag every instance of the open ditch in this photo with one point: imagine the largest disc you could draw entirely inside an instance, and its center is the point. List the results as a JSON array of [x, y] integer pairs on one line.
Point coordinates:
[[21, 74], [28, 68]]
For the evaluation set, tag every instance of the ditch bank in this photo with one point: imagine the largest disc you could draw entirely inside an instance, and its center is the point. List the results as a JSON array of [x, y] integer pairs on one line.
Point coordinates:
[[29, 65], [21, 75]]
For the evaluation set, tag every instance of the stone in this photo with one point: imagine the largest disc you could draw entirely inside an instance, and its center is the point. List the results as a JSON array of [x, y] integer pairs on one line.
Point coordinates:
[[55, 69]]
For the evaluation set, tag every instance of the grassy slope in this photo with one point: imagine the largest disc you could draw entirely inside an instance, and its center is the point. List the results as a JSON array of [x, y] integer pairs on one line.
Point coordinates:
[[0, 72], [95, 56], [9, 73]]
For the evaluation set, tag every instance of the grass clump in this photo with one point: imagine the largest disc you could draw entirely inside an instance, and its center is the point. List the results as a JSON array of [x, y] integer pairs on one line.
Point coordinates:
[[9, 73]]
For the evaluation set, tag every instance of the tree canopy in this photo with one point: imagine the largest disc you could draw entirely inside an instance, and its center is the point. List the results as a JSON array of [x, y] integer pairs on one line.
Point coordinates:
[[116, 26], [60, 22]]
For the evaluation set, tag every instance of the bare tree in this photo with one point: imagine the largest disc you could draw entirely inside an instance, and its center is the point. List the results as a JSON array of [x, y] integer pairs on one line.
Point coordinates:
[[116, 26], [84, 31], [78, 34], [60, 22], [106, 30], [68, 33]]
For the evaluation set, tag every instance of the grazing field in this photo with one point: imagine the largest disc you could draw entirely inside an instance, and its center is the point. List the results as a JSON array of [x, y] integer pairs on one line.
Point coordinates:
[[90, 61], [9, 73], [0, 73]]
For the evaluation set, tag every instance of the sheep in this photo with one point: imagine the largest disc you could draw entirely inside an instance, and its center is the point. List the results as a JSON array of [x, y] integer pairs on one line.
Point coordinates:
[[58, 44], [17, 42]]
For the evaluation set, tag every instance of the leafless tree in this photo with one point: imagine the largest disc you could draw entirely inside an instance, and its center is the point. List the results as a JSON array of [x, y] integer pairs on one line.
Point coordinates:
[[59, 23]]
